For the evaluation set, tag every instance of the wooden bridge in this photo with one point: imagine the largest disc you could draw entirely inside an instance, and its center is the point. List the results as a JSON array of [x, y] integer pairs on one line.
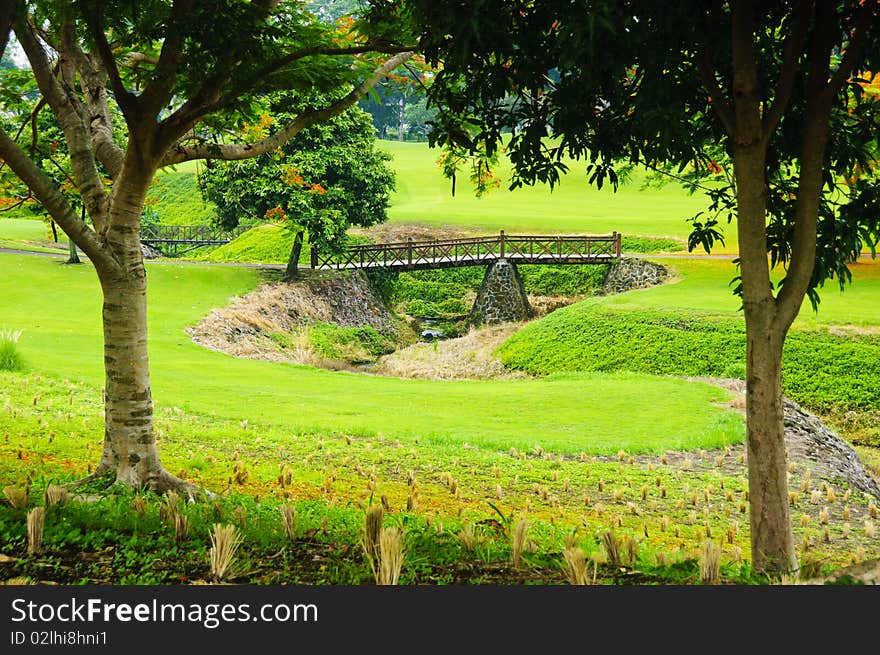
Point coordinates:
[[476, 251], [188, 236]]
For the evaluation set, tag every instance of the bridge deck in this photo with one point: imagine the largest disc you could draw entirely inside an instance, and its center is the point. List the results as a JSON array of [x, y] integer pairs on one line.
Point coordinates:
[[477, 251], [470, 260]]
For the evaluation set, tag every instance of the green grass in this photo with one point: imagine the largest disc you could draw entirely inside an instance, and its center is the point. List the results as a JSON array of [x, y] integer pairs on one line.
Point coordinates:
[[704, 286], [179, 201], [264, 244], [30, 234], [831, 361], [424, 196], [63, 339]]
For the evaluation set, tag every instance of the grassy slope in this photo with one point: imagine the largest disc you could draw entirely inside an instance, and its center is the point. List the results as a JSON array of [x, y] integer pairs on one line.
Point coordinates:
[[264, 244], [29, 234], [62, 338], [704, 286], [179, 199], [822, 369], [424, 195]]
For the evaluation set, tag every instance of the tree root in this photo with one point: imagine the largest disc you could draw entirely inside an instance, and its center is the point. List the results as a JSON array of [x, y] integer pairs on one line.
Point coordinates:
[[104, 481]]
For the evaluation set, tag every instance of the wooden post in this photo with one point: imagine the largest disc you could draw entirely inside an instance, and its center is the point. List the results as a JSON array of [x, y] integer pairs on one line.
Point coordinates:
[[409, 247], [558, 247], [617, 243], [502, 244], [314, 256]]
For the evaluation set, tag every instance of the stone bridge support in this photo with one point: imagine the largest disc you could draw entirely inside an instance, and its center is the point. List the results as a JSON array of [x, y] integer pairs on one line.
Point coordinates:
[[502, 297]]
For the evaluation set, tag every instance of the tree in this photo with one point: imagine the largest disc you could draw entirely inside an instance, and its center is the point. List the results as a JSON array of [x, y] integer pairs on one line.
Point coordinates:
[[328, 177], [770, 92], [181, 83]]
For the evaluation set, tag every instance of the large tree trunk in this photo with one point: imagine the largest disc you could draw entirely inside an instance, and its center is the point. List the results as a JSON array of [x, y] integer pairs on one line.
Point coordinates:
[[129, 441], [129, 454], [772, 542]]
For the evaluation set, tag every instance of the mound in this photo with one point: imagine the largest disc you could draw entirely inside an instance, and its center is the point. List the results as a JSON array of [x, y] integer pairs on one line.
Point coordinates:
[[259, 324]]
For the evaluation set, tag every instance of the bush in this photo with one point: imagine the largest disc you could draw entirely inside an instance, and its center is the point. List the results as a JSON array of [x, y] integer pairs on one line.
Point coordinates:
[[357, 345], [10, 357]]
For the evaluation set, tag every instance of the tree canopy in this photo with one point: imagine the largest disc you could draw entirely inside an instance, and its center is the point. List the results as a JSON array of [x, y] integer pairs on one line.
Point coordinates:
[[327, 178]]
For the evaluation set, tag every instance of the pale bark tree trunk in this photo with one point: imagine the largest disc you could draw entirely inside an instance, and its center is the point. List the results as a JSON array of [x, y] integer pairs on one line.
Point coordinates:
[[130, 454]]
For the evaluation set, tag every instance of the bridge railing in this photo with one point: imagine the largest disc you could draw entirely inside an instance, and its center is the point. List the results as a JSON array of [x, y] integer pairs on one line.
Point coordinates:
[[472, 250], [189, 234]]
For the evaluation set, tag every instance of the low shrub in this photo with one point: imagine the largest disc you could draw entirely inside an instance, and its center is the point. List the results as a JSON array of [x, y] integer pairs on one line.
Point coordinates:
[[10, 357], [357, 345]]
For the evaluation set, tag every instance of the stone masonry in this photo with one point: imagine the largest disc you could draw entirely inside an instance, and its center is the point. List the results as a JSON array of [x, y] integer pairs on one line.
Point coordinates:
[[502, 297]]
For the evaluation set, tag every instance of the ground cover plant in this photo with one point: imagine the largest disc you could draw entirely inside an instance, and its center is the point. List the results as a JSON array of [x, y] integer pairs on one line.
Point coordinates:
[[458, 505]]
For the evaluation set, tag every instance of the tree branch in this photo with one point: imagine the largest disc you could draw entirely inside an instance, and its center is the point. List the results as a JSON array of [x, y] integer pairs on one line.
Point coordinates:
[[719, 102], [70, 114], [93, 83], [158, 90], [794, 44], [853, 50], [45, 191], [8, 9], [302, 53], [814, 139], [182, 153], [126, 100]]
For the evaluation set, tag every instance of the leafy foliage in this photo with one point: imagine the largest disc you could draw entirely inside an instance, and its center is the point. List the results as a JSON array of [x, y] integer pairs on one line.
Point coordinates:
[[325, 179]]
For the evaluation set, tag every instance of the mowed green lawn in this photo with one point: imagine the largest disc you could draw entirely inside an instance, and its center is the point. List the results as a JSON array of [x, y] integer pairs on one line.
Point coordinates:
[[58, 307], [423, 195], [29, 234], [702, 284]]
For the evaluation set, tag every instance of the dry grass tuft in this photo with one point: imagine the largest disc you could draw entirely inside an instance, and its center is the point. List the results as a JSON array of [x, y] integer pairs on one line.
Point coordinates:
[[611, 547], [386, 561], [288, 519], [139, 505], [468, 357], [36, 519], [467, 536], [577, 566], [181, 527], [710, 562], [518, 542], [373, 529], [225, 540], [17, 496], [55, 495]]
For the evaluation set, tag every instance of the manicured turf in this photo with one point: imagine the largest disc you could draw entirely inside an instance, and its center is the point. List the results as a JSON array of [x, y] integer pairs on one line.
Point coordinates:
[[566, 414], [29, 234], [703, 285], [423, 195]]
